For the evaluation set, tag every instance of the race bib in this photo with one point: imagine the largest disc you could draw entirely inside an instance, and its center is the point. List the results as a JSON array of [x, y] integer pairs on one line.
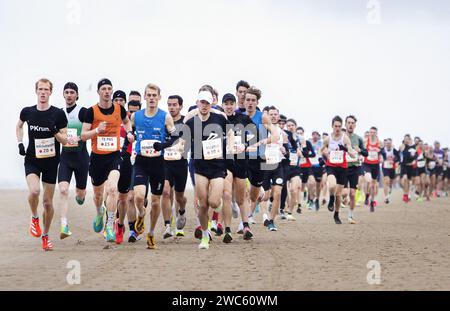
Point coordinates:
[[373, 156], [273, 154], [293, 158], [172, 153], [388, 164], [337, 157], [105, 143], [420, 164], [237, 145], [351, 159], [45, 148], [212, 149], [432, 165], [147, 149], [315, 160], [71, 133], [302, 161]]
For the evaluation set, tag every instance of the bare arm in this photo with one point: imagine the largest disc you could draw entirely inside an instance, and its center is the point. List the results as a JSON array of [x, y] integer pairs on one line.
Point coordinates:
[[19, 131], [61, 136], [87, 132], [348, 145]]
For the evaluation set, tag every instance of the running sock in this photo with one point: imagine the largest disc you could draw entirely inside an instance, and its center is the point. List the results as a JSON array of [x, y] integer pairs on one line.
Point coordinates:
[[35, 217], [131, 225], [182, 211], [151, 232], [227, 229], [350, 213], [110, 218], [336, 214], [99, 210], [205, 234], [167, 223], [63, 221], [245, 224]]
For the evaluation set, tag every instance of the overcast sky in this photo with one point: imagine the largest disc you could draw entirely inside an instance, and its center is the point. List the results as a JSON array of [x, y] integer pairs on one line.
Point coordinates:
[[387, 62]]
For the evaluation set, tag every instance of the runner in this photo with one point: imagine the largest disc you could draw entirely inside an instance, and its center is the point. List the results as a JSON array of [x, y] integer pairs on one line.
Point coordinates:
[[391, 158], [371, 166], [408, 159], [176, 171], [102, 124], [438, 173], [354, 165], [334, 149], [74, 156], [155, 131], [47, 129], [306, 172], [317, 169], [421, 179], [210, 166], [235, 182], [241, 88]]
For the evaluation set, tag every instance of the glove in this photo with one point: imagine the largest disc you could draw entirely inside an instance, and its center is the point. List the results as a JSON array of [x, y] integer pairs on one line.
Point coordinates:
[[22, 151], [158, 146], [364, 153], [321, 162], [343, 148]]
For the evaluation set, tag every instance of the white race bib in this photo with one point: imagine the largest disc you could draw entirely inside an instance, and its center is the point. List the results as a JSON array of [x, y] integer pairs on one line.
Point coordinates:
[[272, 154], [172, 153], [293, 158], [45, 148], [351, 159], [373, 156], [212, 149], [237, 145], [337, 157], [105, 143], [420, 164], [71, 133], [315, 160], [147, 149], [432, 165], [388, 164]]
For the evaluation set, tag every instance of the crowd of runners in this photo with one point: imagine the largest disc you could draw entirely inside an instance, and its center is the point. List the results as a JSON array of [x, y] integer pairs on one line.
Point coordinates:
[[243, 160]]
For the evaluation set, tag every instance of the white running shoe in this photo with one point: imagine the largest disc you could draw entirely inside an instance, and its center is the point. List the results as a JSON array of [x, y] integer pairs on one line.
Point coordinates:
[[289, 217], [240, 229], [168, 232], [181, 221]]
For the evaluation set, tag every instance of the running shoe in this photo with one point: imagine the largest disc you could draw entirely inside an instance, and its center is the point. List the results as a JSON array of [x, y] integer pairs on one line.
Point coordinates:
[[366, 201], [420, 199], [240, 229], [282, 215], [310, 205], [331, 204], [317, 205], [47, 245], [324, 201], [405, 198], [235, 210], [219, 231], [179, 233], [167, 232], [79, 201], [299, 208], [271, 226], [227, 238], [248, 235], [204, 244], [119, 232], [351, 221], [35, 229], [289, 217], [265, 220], [64, 232], [181, 222], [98, 220], [213, 226], [372, 206], [337, 220], [110, 234], [386, 201], [151, 243], [133, 237], [139, 225], [198, 232]]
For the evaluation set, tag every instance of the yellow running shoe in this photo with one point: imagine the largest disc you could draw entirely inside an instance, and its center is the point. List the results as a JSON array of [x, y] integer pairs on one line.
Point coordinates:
[[139, 225], [151, 243], [351, 221], [64, 232], [204, 244]]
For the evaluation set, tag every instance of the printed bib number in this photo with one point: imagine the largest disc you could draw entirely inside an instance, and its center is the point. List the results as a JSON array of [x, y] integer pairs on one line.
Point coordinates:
[[237, 145], [432, 165], [373, 156], [420, 164], [272, 154], [147, 149], [212, 149], [105, 143], [293, 158], [388, 164], [71, 134], [337, 157], [45, 148], [172, 153]]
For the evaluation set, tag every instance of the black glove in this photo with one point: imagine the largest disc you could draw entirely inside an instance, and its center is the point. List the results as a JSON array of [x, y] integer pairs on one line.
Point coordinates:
[[343, 148], [364, 153], [22, 151], [321, 162], [158, 146]]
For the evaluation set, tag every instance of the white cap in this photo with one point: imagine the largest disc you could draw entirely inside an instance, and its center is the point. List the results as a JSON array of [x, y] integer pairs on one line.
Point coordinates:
[[205, 95]]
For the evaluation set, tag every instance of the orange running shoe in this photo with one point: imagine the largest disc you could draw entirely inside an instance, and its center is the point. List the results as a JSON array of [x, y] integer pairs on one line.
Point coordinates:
[[119, 232], [46, 244], [35, 229]]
